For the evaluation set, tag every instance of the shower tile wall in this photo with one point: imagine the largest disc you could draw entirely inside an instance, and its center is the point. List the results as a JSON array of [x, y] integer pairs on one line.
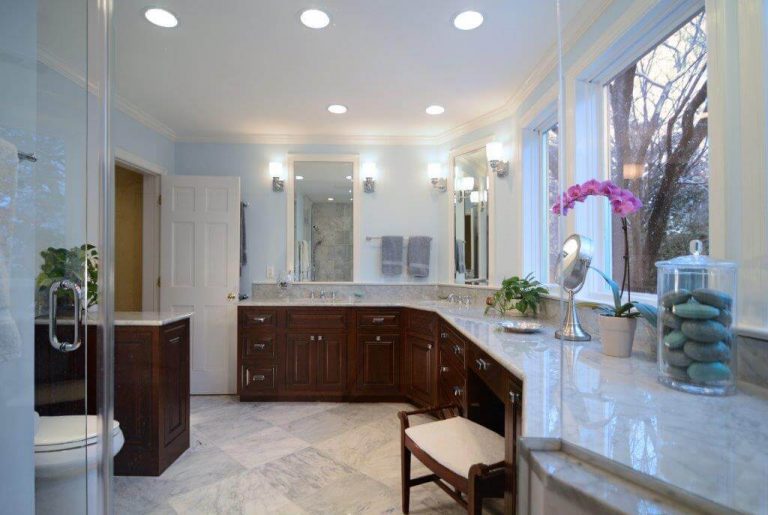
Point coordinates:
[[332, 244]]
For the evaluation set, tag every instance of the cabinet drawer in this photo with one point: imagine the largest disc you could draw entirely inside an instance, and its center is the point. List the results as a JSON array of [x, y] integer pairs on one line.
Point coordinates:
[[452, 392], [488, 370], [378, 319], [175, 334], [451, 343], [314, 320], [257, 379], [258, 345], [423, 323], [256, 316]]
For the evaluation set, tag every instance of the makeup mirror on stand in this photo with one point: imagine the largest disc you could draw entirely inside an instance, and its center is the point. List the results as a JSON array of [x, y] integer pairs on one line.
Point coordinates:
[[575, 257]]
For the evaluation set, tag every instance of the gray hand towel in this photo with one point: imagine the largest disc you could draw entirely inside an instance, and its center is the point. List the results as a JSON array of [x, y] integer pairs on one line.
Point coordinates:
[[461, 260], [391, 255], [243, 246], [418, 255]]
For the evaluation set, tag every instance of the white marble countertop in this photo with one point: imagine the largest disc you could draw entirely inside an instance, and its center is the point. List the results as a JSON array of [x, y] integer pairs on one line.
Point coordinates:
[[712, 447], [130, 318]]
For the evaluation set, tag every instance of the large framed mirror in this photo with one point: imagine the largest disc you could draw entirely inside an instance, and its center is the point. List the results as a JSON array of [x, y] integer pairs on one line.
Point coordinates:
[[471, 201], [322, 218]]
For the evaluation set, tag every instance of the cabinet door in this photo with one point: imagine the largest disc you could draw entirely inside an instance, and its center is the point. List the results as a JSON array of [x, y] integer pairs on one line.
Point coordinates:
[[378, 367], [421, 369], [299, 365], [174, 381], [330, 362]]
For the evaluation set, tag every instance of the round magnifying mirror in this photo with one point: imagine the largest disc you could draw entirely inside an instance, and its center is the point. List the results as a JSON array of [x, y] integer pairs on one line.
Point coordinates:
[[575, 259]]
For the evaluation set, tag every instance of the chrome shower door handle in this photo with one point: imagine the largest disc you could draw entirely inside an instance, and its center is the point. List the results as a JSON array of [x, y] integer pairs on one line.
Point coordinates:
[[53, 316]]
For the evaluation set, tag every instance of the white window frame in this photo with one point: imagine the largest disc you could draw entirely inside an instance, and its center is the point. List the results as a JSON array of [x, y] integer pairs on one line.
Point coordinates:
[[584, 128]]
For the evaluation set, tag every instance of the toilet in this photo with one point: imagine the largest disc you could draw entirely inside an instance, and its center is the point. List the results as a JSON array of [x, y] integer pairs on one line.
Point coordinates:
[[66, 463]]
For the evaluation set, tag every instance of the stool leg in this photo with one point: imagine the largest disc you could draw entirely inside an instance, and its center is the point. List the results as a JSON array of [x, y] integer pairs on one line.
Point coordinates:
[[405, 475], [474, 504]]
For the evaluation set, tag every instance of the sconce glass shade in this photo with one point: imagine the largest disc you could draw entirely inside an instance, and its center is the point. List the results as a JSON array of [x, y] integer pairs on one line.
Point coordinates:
[[467, 184], [494, 151], [633, 170], [435, 171], [276, 170], [369, 170], [474, 197]]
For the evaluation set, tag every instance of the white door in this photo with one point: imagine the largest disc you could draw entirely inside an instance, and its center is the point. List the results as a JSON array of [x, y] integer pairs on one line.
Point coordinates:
[[199, 271]]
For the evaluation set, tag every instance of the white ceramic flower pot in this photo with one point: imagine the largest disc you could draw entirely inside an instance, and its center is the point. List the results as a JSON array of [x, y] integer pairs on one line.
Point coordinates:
[[617, 335]]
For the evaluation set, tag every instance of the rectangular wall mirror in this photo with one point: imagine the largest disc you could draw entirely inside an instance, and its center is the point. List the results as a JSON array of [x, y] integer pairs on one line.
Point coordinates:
[[471, 200], [323, 221]]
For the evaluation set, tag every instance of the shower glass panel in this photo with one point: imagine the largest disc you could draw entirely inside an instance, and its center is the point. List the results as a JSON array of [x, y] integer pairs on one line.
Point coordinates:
[[50, 273]]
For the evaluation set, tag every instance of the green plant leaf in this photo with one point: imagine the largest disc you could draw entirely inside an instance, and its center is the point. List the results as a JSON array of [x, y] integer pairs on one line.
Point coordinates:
[[614, 288]]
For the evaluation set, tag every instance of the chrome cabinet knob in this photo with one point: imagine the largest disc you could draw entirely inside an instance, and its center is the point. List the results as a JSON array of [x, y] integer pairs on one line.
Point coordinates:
[[457, 349], [457, 391], [311, 338], [443, 369], [444, 336], [378, 338], [514, 397], [429, 346], [319, 338]]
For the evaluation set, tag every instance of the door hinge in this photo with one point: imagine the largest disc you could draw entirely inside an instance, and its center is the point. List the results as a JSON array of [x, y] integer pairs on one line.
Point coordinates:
[[158, 281], [159, 200]]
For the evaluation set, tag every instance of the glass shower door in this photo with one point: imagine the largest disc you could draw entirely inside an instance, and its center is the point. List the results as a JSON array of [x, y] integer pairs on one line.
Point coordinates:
[[51, 368]]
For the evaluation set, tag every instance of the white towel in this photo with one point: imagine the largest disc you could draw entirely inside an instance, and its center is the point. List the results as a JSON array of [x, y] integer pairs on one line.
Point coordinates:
[[303, 260], [10, 339]]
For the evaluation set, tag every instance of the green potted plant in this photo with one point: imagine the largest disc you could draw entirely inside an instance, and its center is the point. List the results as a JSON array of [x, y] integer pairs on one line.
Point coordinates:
[[78, 264], [517, 296]]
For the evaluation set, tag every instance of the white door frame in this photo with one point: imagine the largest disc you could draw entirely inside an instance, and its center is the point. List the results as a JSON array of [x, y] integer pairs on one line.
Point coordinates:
[[290, 201], [150, 270]]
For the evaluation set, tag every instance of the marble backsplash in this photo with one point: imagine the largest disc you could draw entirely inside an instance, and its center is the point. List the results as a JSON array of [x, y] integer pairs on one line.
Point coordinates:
[[752, 353]]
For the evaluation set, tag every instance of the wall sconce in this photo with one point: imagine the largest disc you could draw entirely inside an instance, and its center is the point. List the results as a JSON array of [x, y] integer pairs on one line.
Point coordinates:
[[435, 172], [633, 170], [494, 152], [464, 188], [276, 172], [369, 177]]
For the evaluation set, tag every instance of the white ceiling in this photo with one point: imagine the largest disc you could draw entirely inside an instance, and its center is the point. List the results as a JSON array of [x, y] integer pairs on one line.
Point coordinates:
[[248, 67]]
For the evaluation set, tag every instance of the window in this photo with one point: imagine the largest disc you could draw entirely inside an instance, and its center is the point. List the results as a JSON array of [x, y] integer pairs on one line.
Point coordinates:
[[550, 170], [658, 149]]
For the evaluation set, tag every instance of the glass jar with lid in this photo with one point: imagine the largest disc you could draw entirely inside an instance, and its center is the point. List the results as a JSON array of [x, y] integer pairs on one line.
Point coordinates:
[[697, 309]]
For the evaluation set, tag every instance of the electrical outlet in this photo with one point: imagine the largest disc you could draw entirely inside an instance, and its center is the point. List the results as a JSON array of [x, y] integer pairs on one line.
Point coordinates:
[[270, 272]]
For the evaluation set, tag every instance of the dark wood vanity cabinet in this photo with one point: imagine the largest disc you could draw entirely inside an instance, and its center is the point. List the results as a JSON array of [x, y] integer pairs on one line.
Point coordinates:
[[378, 363], [151, 396], [421, 360]]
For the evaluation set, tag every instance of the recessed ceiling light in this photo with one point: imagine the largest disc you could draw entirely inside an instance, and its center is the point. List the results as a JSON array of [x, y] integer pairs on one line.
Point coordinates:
[[315, 19], [337, 109], [299, 177], [435, 109], [468, 20], [161, 17], [349, 177], [330, 199]]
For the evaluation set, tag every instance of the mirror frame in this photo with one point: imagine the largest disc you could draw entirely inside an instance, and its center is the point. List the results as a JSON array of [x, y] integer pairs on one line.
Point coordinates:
[[290, 201], [455, 152]]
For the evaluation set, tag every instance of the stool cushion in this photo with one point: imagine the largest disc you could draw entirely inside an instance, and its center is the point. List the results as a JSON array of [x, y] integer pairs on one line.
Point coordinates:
[[457, 443]]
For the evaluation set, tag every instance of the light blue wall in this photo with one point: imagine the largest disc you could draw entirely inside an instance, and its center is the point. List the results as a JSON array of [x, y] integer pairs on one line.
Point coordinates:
[[404, 202], [133, 137]]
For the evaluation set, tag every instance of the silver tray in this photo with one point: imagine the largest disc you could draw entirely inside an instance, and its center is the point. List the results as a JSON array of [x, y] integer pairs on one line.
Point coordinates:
[[520, 326]]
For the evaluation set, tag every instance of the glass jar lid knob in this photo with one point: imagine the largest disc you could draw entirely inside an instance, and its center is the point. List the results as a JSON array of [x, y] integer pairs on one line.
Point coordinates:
[[696, 247]]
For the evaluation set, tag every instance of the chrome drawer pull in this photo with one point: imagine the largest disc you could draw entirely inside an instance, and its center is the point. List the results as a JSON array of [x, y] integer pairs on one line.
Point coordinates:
[[457, 349], [514, 397], [175, 339], [259, 377], [482, 364], [260, 320], [259, 346], [378, 320], [311, 338], [444, 336], [378, 338], [443, 369], [429, 346], [457, 391], [319, 338]]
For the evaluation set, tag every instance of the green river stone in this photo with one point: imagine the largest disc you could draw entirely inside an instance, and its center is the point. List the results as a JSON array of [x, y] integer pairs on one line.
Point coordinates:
[[674, 340], [695, 311], [709, 372], [671, 320], [675, 297], [707, 331], [725, 318], [675, 357], [713, 297], [707, 351]]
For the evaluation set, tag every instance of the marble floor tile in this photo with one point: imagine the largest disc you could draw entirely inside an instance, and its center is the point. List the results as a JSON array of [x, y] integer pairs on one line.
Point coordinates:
[[292, 458], [262, 446], [304, 472]]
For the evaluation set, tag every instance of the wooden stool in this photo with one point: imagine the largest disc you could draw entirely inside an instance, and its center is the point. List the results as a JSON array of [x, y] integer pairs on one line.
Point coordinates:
[[456, 450]]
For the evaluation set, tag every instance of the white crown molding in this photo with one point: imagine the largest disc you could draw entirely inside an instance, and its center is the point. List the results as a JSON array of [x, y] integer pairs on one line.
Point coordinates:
[[547, 66]]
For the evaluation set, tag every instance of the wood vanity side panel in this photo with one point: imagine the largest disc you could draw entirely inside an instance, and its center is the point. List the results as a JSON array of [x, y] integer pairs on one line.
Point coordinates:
[[174, 391]]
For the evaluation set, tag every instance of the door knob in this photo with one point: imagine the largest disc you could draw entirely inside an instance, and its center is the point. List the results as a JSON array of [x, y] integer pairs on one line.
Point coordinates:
[[231, 296]]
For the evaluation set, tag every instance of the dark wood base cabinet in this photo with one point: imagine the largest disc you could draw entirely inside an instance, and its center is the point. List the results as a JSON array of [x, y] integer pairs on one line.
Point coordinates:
[[151, 396]]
